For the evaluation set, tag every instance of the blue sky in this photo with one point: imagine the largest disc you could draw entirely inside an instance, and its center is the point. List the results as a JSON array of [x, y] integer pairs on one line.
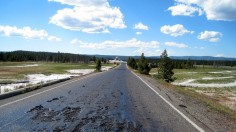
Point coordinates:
[[120, 27]]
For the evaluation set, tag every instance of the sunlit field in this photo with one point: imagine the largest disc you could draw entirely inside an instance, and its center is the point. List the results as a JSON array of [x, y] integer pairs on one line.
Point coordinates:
[[217, 83]]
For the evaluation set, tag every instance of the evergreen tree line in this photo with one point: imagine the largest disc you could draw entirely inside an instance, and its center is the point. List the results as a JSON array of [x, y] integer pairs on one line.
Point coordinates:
[[190, 64], [43, 56], [103, 60], [164, 64], [142, 65], [131, 62]]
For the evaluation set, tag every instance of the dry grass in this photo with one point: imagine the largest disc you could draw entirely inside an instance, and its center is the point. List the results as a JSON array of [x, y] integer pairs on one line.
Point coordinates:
[[10, 74], [217, 102]]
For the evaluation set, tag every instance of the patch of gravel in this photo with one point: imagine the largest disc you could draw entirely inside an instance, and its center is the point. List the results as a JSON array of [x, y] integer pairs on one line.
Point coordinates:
[[205, 117]]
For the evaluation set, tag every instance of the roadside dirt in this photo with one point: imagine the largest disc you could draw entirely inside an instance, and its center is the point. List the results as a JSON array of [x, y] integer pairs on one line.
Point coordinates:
[[211, 119]]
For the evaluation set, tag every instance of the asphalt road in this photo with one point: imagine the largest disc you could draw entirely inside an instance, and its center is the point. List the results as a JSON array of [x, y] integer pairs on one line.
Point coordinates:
[[116, 100]]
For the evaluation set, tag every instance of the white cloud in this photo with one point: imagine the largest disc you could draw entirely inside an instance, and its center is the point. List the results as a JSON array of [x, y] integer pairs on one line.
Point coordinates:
[[211, 36], [140, 26], [25, 32], [214, 9], [74, 41], [132, 43], [138, 33], [90, 16], [175, 30], [201, 48], [220, 55], [54, 39], [173, 44], [184, 10], [147, 52]]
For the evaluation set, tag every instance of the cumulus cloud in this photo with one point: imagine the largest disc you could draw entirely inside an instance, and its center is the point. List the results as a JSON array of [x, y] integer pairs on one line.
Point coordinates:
[[132, 43], [184, 10], [90, 16], [138, 33], [54, 39], [140, 26], [175, 30], [147, 52], [214, 9], [173, 44], [211, 36], [25, 32]]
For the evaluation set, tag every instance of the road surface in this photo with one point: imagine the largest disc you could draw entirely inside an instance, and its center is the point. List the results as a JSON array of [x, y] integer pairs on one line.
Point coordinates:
[[116, 100]]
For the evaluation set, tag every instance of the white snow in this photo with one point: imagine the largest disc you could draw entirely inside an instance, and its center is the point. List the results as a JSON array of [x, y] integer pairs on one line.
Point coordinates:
[[35, 79], [32, 65], [41, 78], [81, 71], [10, 87], [154, 73], [106, 68], [216, 78], [192, 72], [188, 72], [222, 72], [190, 83]]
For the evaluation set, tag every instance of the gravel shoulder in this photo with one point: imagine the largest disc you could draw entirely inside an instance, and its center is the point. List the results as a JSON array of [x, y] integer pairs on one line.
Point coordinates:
[[209, 119]]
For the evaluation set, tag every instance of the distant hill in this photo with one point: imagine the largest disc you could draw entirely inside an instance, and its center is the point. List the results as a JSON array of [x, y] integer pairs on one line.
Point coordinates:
[[210, 58], [201, 58], [68, 57]]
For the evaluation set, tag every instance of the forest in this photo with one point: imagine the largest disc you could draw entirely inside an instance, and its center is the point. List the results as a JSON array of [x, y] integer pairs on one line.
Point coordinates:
[[60, 57], [190, 64], [20, 56]]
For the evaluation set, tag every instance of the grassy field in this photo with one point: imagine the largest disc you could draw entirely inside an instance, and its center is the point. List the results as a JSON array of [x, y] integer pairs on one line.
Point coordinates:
[[222, 99], [10, 71]]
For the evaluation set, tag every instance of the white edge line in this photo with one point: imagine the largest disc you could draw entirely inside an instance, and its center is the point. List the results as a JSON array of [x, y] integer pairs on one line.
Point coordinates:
[[53, 88], [42, 92], [172, 106]]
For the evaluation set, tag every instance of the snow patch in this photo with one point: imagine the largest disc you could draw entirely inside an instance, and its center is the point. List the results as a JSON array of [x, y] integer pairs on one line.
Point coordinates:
[[32, 65], [188, 72], [106, 68], [10, 87], [33, 79], [81, 71], [190, 83], [215, 78], [221, 72], [41, 78]]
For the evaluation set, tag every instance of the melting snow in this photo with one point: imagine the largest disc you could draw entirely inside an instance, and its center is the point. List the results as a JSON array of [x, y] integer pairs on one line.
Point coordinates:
[[41, 78], [212, 78], [191, 83], [221, 72], [33, 65], [81, 71], [106, 68]]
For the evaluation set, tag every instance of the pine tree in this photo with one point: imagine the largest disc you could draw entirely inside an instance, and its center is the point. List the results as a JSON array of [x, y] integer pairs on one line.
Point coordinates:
[[98, 65], [143, 66], [165, 67]]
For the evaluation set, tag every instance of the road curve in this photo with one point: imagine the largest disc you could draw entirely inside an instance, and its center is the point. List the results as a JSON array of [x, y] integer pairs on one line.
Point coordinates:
[[116, 100]]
